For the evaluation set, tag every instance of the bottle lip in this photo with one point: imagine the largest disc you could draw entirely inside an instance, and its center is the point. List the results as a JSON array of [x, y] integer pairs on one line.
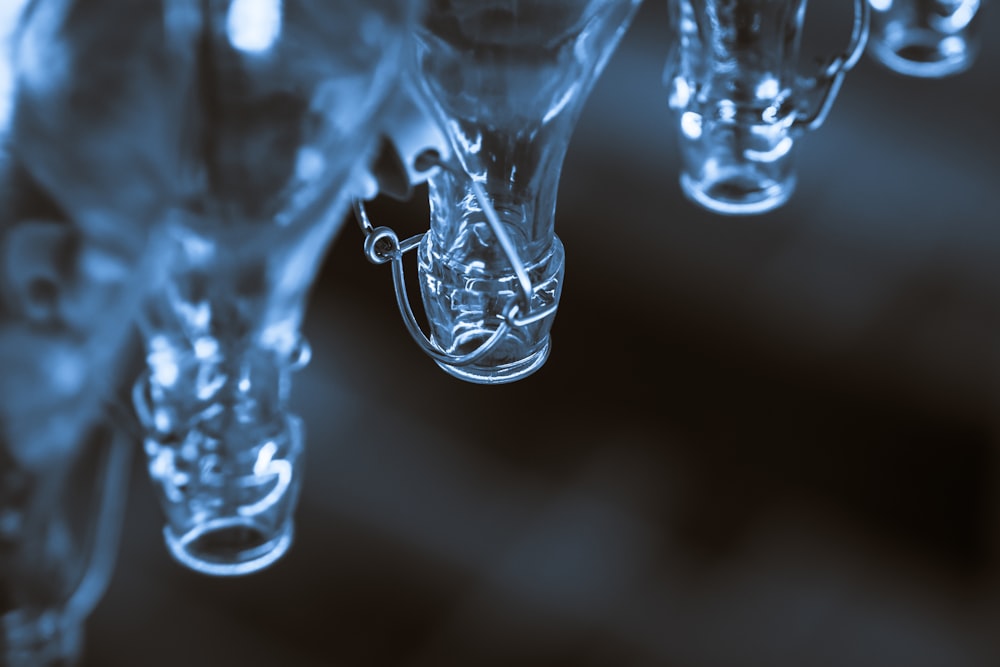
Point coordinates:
[[924, 54], [242, 522], [768, 197], [198, 549], [502, 374]]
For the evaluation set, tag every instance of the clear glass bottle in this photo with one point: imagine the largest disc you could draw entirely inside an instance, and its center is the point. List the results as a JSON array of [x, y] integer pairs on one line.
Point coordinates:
[[507, 80], [283, 114], [76, 251], [740, 101], [223, 449]]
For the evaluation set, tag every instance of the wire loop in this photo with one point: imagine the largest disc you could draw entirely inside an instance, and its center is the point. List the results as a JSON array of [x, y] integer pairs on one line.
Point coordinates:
[[837, 68]]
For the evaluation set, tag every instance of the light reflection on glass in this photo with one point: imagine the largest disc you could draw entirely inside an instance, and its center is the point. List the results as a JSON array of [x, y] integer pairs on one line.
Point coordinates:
[[254, 25]]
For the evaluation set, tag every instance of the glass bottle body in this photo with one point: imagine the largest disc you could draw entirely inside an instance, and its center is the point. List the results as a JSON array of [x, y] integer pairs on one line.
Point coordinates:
[[732, 81], [76, 251], [507, 80], [222, 342], [468, 286], [285, 110]]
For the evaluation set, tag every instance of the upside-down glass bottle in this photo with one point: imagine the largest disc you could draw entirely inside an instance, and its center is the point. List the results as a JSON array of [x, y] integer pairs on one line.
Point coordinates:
[[76, 249], [63, 463], [285, 108], [507, 80], [741, 104]]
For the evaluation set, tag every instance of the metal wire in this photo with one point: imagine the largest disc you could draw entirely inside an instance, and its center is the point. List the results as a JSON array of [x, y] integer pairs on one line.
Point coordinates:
[[382, 245], [838, 67]]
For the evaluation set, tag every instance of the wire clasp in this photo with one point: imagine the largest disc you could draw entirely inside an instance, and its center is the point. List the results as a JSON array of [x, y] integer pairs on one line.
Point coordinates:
[[382, 245]]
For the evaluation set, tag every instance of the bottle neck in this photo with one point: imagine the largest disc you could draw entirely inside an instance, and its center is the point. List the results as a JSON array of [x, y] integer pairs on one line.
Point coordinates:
[[519, 173], [224, 391]]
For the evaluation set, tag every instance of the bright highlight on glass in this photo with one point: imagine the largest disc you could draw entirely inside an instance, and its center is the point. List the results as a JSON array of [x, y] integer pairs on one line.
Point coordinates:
[[253, 25], [740, 101], [10, 13]]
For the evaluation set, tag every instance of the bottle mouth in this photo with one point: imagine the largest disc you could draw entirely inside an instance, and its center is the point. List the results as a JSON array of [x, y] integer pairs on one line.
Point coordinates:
[[738, 194], [923, 53], [228, 515], [501, 373], [484, 339], [231, 546]]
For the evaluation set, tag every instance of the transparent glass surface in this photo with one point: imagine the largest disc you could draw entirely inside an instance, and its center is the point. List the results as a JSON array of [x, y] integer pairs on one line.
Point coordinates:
[[75, 254], [732, 81], [60, 517], [283, 111], [78, 208], [925, 38], [507, 78]]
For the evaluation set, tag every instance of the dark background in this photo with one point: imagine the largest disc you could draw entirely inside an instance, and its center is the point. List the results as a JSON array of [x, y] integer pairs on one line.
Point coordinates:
[[758, 441]]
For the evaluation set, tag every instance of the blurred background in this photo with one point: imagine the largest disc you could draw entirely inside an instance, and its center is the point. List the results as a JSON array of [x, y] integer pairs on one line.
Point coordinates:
[[757, 441]]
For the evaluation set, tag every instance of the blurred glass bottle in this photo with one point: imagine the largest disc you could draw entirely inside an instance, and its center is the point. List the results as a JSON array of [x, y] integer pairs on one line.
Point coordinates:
[[77, 205], [284, 112], [740, 101], [925, 38], [60, 517], [507, 79]]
